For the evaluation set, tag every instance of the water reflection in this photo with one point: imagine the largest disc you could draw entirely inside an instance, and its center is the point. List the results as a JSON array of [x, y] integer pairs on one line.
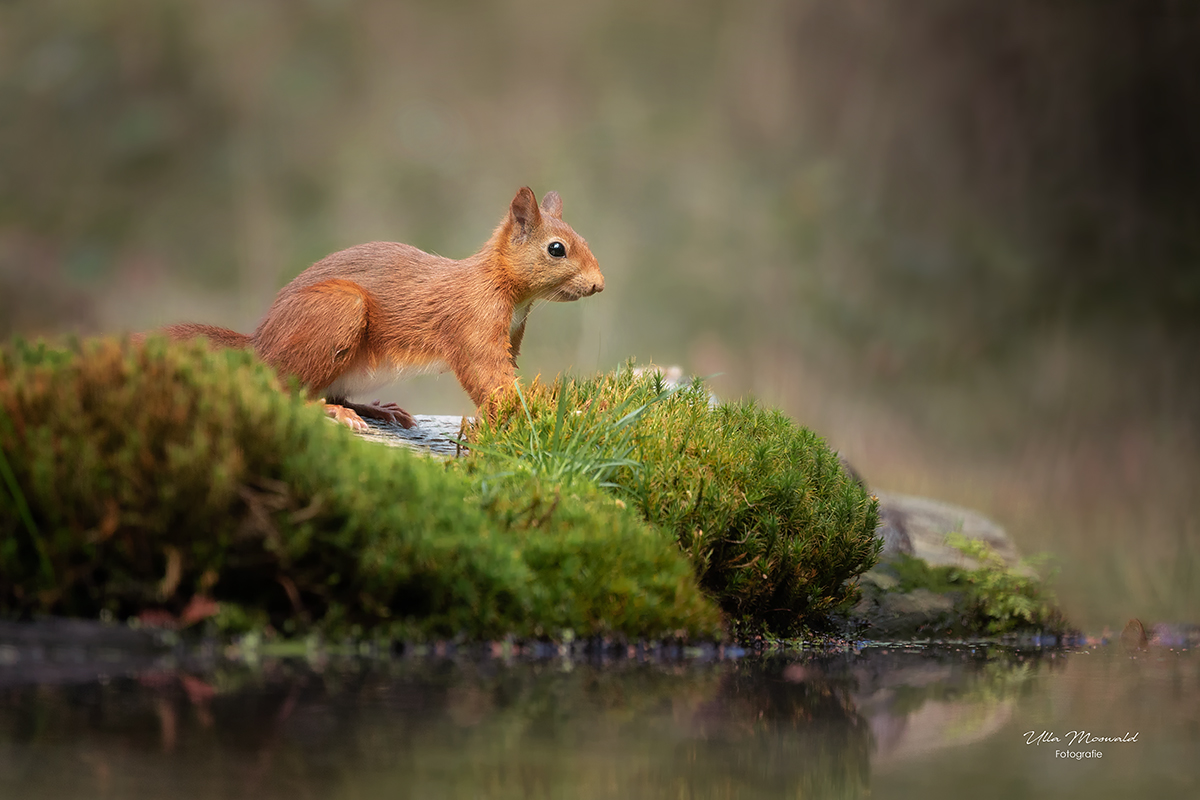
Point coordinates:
[[881, 721]]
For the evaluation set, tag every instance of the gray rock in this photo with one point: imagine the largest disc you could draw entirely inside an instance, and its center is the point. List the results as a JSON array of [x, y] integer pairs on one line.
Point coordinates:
[[917, 526], [920, 613], [61, 632], [434, 433]]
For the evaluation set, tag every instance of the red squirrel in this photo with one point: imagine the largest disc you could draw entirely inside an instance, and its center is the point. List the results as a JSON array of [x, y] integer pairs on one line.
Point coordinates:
[[361, 318]]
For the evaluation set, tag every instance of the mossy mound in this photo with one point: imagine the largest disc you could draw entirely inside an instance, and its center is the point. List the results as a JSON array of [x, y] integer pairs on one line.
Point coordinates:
[[139, 475], [775, 528]]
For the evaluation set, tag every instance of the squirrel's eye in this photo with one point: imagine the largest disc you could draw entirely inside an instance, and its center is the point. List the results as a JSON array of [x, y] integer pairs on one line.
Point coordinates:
[[556, 249]]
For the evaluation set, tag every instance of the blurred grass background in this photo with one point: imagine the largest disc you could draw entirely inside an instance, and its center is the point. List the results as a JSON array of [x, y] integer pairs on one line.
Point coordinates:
[[958, 238]]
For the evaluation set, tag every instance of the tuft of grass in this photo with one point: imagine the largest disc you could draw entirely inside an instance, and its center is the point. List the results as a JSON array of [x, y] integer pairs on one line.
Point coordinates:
[[156, 471], [590, 449], [775, 529]]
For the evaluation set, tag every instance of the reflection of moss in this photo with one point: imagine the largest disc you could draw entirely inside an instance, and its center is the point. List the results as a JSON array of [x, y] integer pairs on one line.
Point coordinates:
[[154, 472], [443, 728], [811, 721], [999, 678]]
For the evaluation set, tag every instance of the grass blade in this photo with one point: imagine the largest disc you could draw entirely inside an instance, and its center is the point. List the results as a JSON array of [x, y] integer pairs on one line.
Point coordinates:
[[35, 539], [559, 415]]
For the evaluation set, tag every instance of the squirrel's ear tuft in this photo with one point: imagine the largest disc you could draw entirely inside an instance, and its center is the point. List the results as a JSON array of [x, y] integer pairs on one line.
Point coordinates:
[[524, 212], [552, 204]]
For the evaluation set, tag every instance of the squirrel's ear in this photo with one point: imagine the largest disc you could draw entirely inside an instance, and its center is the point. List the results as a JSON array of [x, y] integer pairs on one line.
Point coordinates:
[[524, 212], [552, 204]]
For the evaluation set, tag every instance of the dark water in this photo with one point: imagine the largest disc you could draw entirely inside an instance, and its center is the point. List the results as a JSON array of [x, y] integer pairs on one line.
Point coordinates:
[[938, 721]]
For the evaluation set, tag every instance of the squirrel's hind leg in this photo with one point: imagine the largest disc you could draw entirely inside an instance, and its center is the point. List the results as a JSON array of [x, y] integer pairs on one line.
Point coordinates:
[[317, 333]]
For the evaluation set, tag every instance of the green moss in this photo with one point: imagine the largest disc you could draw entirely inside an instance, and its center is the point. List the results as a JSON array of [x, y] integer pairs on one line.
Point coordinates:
[[1004, 598], [995, 598], [776, 530], [153, 472], [140, 475], [915, 573]]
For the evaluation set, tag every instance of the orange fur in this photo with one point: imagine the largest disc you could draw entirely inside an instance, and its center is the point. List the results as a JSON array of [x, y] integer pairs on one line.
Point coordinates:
[[361, 316]]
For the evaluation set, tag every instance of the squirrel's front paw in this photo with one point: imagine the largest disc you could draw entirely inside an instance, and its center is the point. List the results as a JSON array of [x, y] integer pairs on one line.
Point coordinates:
[[394, 413], [348, 417], [388, 412]]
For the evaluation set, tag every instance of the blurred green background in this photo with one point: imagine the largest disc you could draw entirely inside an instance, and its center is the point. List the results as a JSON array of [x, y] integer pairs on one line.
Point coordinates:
[[958, 238]]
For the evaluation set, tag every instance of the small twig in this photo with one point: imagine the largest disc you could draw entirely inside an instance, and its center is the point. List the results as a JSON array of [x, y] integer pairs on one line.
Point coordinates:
[[173, 573], [293, 594]]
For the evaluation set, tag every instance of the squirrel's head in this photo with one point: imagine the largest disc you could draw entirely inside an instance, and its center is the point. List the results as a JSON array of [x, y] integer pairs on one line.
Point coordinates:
[[545, 257]]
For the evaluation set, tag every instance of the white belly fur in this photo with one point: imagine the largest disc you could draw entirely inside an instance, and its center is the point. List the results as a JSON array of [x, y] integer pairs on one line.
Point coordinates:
[[358, 384]]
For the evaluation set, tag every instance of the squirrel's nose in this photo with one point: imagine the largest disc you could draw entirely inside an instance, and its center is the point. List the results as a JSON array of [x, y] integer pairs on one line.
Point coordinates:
[[598, 286]]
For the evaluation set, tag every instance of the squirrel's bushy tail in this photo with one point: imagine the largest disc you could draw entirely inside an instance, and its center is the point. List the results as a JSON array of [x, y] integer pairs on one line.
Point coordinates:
[[218, 337]]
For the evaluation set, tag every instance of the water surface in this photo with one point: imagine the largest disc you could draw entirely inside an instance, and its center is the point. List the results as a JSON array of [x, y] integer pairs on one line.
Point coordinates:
[[879, 721]]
